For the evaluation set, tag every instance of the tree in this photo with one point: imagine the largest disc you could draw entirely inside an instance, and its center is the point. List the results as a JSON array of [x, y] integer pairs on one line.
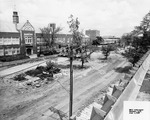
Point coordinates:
[[144, 25], [83, 55], [144, 28], [126, 39], [77, 42], [135, 51], [49, 36], [132, 55], [74, 26], [106, 49], [139, 45], [97, 41]]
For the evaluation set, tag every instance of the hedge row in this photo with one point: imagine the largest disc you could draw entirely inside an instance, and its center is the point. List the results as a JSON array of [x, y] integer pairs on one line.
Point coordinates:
[[13, 58]]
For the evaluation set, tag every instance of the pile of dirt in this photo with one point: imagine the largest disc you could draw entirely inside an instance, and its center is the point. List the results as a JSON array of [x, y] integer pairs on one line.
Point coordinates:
[[37, 77]]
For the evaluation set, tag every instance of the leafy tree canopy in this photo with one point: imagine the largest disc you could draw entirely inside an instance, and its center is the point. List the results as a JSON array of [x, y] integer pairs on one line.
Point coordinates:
[[49, 35], [138, 45]]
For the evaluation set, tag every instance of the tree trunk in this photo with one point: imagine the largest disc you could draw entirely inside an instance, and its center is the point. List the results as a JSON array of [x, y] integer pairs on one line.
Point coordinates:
[[82, 62], [106, 57]]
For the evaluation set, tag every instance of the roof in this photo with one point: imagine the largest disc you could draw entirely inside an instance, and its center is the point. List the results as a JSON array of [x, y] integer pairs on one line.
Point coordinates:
[[110, 37], [6, 26], [9, 34], [28, 26]]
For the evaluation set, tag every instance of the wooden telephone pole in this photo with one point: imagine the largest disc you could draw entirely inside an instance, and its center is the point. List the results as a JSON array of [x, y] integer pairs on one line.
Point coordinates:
[[73, 25], [71, 82]]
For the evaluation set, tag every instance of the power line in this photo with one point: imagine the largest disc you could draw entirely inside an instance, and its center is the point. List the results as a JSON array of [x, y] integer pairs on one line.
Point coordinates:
[[63, 86]]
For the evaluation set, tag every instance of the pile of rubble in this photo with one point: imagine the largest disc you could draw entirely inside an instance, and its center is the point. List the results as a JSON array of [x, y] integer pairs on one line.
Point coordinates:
[[39, 76]]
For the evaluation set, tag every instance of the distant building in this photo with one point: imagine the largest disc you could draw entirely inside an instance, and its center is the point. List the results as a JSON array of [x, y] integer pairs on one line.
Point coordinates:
[[85, 39], [92, 34], [52, 25], [110, 39]]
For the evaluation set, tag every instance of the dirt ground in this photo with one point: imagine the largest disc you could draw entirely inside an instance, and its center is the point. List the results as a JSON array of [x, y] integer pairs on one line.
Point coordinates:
[[34, 103]]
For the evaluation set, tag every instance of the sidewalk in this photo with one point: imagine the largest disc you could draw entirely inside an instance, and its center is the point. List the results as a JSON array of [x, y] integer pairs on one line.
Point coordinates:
[[18, 68]]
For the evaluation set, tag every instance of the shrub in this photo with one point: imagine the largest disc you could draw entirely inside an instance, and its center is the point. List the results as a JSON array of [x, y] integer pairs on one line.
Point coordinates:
[[106, 49], [41, 68], [13, 58], [20, 77], [56, 70], [49, 70], [33, 72], [49, 65], [132, 55]]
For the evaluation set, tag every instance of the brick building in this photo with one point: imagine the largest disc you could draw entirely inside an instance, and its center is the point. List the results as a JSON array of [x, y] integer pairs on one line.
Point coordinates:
[[13, 42], [9, 43], [25, 41]]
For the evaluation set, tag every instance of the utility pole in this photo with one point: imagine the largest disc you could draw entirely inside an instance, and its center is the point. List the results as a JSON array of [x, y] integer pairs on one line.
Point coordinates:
[[73, 25], [71, 82]]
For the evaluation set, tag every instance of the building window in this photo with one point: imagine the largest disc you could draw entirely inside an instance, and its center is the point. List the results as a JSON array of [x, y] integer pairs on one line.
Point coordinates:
[[6, 51], [15, 41], [1, 41], [17, 51], [28, 39], [38, 40], [7, 41], [1, 52], [12, 51]]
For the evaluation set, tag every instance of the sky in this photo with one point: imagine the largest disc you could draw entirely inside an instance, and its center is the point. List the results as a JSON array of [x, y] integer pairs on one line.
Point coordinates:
[[111, 17]]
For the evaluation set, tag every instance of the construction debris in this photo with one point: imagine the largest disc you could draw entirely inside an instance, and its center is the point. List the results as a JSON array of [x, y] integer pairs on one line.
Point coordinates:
[[40, 75]]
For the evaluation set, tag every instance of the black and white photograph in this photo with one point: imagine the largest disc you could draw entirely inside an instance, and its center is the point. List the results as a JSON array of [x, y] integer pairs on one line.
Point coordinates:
[[74, 59]]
